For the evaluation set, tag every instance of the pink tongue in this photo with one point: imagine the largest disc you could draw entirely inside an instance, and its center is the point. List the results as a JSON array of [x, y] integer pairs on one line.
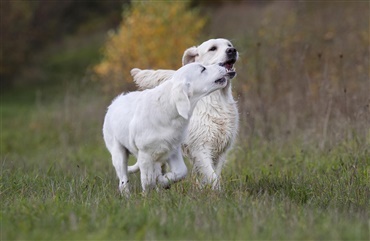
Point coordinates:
[[228, 66]]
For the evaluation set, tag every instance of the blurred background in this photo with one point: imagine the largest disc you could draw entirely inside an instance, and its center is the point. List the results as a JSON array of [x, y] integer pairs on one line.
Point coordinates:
[[303, 72]]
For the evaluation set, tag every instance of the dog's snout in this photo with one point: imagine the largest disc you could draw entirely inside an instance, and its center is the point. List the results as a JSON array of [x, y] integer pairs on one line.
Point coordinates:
[[231, 51], [231, 74]]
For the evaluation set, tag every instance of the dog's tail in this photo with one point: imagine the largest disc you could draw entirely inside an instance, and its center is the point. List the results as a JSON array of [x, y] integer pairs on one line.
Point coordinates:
[[148, 78], [133, 169]]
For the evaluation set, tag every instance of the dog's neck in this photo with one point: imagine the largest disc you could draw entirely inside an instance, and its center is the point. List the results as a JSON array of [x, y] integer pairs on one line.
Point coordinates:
[[225, 93]]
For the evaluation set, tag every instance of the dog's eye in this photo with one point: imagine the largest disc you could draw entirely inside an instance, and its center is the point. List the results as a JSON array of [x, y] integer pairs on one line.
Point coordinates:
[[229, 45], [213, 48], [203, 68]]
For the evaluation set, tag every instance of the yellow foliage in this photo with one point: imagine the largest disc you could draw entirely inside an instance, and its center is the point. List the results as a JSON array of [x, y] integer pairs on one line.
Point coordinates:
[[151, 35]]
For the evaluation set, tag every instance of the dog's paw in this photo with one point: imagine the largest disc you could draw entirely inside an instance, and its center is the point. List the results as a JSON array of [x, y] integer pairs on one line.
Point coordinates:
[[164, 181], [124, 188]]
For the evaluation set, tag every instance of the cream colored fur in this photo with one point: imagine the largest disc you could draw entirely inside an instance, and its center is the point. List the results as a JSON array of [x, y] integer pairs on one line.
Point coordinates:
[[213, 127]]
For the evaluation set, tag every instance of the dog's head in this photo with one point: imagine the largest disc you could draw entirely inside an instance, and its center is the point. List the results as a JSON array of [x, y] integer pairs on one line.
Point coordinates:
[[194, 81], [213, 51]]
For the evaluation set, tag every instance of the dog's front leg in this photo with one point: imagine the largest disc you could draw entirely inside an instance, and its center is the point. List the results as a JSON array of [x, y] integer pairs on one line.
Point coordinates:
[[147, 171], [204, 166], [219, 164], [177, 167]]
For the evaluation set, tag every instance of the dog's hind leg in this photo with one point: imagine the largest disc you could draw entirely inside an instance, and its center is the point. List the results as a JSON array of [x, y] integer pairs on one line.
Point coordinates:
[[119, 159], [177, 167]]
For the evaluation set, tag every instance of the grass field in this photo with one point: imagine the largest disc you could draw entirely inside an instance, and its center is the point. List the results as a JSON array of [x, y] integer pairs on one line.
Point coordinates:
[[295, 172], [57, 182]]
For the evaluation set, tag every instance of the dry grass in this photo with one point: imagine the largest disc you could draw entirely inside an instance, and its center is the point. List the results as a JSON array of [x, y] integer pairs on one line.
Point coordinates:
[[304, 69]]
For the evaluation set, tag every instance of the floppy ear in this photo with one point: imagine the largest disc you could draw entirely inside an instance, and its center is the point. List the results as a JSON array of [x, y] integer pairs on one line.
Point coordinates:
[[182, 102], [189, 55]]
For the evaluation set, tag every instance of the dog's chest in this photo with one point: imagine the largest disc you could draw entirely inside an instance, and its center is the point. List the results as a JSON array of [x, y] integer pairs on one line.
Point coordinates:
[[214, 123]]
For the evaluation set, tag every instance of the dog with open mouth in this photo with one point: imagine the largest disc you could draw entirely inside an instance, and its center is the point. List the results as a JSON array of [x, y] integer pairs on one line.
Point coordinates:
[[214, 125]]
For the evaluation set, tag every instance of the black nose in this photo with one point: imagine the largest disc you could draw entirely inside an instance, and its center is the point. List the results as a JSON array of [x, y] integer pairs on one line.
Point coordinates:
[[231, 51]]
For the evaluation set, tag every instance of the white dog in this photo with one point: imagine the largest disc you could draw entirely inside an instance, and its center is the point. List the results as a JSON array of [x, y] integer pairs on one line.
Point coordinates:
[[214, 124], [151, 124]]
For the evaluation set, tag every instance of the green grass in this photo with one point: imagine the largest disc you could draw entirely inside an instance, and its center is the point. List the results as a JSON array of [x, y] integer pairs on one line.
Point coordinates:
[[58, 183]]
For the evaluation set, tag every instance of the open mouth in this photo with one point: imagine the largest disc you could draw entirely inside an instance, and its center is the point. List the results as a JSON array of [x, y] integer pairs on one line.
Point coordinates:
[[229, 64]]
